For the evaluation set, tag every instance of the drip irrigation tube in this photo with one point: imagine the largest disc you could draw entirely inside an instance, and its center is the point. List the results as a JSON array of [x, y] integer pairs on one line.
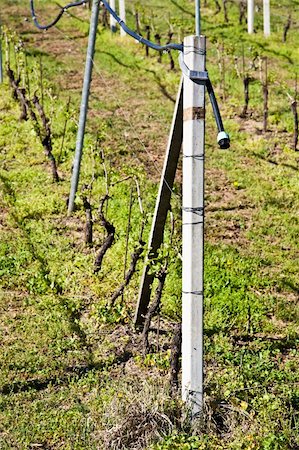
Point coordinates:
[[54, 22], [137, 36], [122, 24]]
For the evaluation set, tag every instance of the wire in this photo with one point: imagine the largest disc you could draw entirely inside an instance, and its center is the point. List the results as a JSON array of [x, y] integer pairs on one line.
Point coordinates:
[[139, 38], [54, 22], [97, 69], [128, 30]]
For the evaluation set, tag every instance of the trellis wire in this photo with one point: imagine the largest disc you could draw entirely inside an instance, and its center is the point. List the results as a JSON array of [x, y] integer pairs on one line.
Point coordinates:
[[125, 118]]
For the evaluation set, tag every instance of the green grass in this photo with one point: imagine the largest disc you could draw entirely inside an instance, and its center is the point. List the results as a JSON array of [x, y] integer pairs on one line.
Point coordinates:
[[73, 374]]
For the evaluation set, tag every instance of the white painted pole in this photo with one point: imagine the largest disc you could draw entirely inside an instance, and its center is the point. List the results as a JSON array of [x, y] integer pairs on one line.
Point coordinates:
[[193, 227], [112, 20], [266, 12], [122, 15], [250, 16]]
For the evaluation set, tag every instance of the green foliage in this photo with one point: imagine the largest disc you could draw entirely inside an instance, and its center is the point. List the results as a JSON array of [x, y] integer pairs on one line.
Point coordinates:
[[69, 360]]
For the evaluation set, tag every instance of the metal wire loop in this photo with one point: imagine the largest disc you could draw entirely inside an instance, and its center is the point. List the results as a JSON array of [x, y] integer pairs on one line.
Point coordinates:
[[198, 157], [193, 292], [58, 17], [198, 211]]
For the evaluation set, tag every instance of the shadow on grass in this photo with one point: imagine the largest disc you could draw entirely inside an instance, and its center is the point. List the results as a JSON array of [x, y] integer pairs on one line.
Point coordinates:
[[184, 10], [275, 163], [135, 67], [265, 48], [117, 60], [70, 374], [274, 343]]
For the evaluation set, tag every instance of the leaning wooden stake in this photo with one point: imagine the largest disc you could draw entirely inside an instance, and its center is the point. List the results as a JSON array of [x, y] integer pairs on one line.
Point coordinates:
[[162, 207], [193, 226]]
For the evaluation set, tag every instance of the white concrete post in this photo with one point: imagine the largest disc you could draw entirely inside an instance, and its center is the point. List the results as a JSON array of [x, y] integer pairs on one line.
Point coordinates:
[[266, 12], [122, 15], [193, 227], [112, 20], [250, 16]]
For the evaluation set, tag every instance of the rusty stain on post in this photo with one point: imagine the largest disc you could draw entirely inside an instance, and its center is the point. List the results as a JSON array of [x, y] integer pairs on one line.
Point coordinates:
[[194, 113]]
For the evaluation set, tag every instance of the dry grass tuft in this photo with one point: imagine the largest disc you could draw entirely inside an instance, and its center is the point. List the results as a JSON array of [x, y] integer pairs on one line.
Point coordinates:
[[139, 418]]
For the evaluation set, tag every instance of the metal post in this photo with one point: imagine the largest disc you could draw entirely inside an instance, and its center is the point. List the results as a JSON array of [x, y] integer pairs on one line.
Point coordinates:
[[193, 227], [112, 19], [197, 18], [122, 15], [250, 16], [84, 102], [266, 13]]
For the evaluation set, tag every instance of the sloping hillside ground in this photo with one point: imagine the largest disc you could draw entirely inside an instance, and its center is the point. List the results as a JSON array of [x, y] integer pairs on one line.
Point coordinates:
[[73, 371]]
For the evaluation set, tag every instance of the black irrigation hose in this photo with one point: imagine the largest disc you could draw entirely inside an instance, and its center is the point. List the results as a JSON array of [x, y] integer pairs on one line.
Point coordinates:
[[139, 38], [121, 23], [54, 22], [215, 106]]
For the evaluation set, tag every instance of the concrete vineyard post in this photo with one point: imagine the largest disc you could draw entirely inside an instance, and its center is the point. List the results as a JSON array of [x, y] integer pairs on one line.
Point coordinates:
[[193, 227]]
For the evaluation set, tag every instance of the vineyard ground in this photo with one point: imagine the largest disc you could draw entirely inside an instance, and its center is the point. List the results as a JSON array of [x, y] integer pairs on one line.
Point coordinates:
[[73, 374]]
